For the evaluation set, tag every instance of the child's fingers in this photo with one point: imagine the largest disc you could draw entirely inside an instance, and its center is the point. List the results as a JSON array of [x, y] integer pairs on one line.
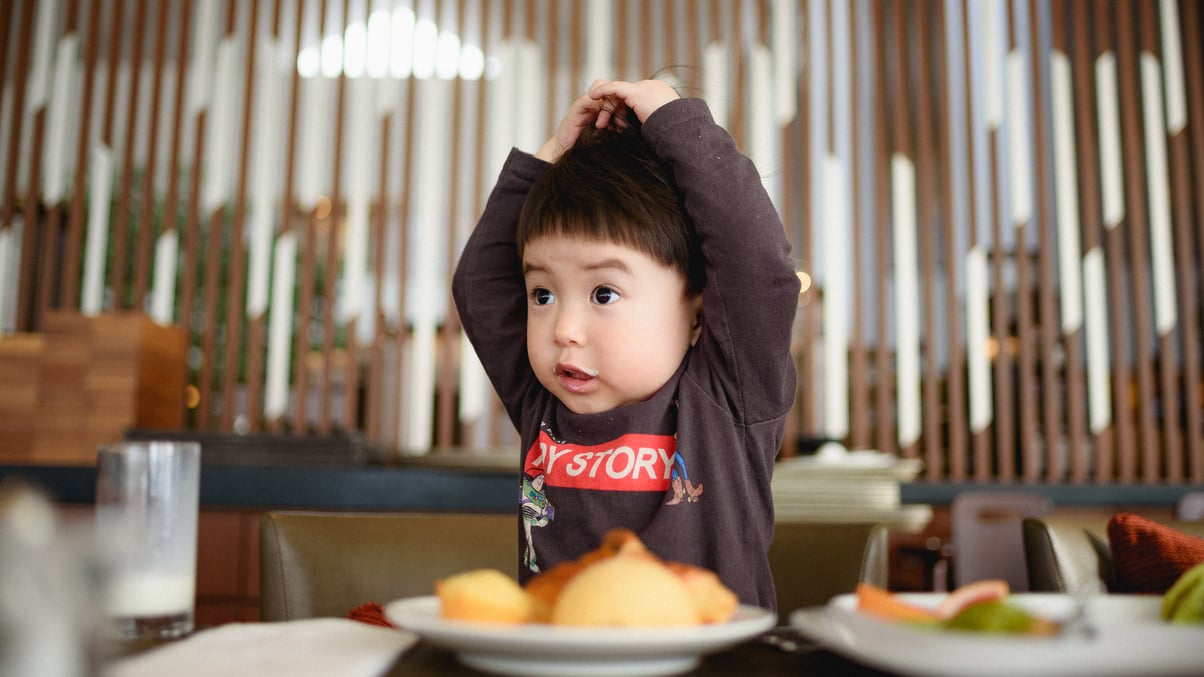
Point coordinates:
[[585, 107], [589, 90], [611, 111], [602, 89], [581, 114], [606, 112], [643, 97]]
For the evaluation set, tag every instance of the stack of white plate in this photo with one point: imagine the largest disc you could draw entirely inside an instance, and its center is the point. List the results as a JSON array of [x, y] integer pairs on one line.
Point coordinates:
[[836, 485]]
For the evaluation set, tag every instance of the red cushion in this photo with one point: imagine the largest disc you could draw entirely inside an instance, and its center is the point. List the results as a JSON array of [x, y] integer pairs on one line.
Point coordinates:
[[1149, 556]]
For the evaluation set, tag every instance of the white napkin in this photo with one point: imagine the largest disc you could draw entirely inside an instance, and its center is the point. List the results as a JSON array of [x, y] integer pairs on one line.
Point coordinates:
[[317, 646]]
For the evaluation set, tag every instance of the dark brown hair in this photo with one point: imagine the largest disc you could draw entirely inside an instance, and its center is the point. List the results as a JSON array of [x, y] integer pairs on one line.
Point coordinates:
[[611, 187]]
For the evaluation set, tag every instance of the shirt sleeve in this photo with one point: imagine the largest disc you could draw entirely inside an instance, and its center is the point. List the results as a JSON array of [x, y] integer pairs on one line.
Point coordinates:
[[751, 296], [488, 286]]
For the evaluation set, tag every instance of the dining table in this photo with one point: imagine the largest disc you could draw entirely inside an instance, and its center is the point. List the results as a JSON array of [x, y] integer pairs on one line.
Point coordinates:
[[1113, 635]]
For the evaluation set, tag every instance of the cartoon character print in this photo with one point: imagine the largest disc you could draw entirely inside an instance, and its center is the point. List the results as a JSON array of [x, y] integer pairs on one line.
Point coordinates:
[[630, 462], [680, 486], [536, 511]]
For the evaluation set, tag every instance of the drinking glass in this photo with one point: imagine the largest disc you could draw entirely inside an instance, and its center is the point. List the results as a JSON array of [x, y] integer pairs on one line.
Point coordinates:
[[147, 500]]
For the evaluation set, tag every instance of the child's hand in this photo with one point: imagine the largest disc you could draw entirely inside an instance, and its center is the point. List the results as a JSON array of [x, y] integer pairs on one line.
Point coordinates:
[[643, 97], [583, 112], [604, 104]]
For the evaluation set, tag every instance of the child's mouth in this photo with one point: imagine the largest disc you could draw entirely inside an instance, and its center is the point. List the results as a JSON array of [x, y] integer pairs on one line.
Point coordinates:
[[575, 379]]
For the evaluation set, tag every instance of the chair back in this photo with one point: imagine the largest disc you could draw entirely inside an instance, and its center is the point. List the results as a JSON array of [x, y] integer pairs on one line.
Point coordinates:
[[987, 537], [814, 562], [1069, 552], [327, 563], [315, 563]]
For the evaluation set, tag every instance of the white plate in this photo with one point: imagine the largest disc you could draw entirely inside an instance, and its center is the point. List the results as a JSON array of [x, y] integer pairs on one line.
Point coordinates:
[[1129, 639], [539, 650]]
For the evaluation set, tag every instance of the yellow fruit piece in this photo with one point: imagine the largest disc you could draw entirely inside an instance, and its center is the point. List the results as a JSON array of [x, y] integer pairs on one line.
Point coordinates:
[[999, 617], [1184, 602], [483, 595]]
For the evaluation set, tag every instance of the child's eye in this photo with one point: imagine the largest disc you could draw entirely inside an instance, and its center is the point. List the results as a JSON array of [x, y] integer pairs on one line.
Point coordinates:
[[541, 296], [604, 295]]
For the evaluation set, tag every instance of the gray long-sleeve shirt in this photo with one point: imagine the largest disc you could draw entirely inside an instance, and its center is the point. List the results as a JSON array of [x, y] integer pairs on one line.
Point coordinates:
[[718, 421]]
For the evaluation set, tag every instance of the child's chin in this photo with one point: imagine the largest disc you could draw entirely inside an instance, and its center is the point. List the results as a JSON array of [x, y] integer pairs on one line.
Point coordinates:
[[585, 404], [578, 406]]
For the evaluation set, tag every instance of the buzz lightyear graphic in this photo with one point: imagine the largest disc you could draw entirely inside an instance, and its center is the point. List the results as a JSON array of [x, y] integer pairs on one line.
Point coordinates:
[[536, 511]]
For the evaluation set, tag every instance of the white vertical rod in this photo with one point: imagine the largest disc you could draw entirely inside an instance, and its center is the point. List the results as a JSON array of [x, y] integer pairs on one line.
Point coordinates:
[[164, 279], [280, 327], [784, 43], [1172, 67], [38, 90], [100, 186], [429, 215], [264, 179], [58, 132], [983, 119], [200, 71], [1107, 106], [1099, 393], [220, 135], [1066, 194], [1162, 257], [907, 329]]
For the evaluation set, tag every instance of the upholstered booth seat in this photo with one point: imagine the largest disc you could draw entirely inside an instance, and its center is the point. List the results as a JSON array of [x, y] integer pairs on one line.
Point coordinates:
[[328, 563]]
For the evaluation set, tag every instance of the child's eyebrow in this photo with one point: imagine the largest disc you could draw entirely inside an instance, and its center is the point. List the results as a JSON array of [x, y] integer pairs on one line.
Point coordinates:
[[614, 264], [605, 264]]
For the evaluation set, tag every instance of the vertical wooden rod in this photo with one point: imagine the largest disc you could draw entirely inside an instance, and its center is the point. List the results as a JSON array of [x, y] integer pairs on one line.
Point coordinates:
[[146, 229], [121, 220], [1136, 226], [1047, 322]]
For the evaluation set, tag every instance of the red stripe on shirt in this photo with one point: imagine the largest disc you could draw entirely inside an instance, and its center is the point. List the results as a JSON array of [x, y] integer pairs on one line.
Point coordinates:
[[631, 462]]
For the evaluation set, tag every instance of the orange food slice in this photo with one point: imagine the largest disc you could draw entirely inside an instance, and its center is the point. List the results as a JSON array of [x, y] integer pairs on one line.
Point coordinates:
[[881, 603]]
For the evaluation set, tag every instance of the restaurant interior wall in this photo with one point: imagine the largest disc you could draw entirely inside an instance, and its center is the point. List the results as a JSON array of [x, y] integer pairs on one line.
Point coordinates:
[[995, 207]]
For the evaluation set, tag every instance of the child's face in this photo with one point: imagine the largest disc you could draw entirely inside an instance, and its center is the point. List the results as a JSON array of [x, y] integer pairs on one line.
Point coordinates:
[[607, 325]]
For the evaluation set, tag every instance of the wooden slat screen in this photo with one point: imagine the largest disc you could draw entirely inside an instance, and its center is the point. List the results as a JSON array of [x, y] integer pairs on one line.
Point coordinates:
[[997, 206]]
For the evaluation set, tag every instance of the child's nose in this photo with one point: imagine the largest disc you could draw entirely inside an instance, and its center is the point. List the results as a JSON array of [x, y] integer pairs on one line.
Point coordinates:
[[570, 326]]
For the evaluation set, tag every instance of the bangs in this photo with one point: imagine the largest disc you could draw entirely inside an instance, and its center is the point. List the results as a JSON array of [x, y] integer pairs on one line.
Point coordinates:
[[610, 187]]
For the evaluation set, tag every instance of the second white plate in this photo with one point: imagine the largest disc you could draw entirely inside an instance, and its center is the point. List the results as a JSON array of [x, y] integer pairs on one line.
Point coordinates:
[[1129, 639]]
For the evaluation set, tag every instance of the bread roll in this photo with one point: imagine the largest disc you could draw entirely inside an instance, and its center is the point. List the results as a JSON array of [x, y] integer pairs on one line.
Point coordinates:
[[546, 587], [625, 590], [619, 583]]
